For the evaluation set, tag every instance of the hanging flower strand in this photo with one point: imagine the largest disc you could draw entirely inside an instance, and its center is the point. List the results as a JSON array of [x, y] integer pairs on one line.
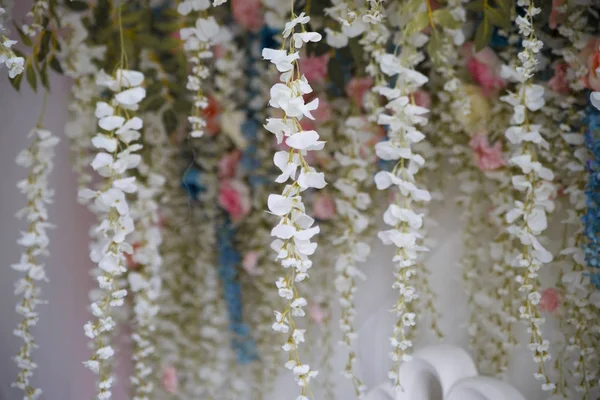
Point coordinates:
[[406, 223], [115, 156], [295, 228], [197, 44], [39, 159], [535, 181]]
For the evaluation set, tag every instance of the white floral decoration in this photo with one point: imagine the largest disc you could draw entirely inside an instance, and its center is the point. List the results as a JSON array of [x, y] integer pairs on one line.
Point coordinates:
[[14, 63], [295, 228], [527, 220], [198, 41], [115, 157], [39, 159], [402, 121]]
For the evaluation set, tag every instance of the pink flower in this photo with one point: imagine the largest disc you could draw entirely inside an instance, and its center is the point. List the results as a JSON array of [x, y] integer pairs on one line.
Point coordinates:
[[228, 164], [234, 197], [323, 207], [422, 98], [550, 300], [556, 17], [314, 67], [323, 112], [559, 82], [316, 313], [357, 87], [219, 51], [249, 262], [487, 158], [484, 67], [248, 14], [169, 379]]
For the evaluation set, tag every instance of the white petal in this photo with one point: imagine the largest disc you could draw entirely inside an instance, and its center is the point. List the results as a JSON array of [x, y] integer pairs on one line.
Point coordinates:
[[126, 184], [279, 205], [101, 160], [129, 78], [111, 123], [312, 180], [132, 96], [105, 142], [302, 140], [103, 110], [283, 231]]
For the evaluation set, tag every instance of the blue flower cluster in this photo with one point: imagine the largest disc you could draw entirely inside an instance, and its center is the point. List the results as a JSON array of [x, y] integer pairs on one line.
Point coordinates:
[[229, 260], [591, 219]]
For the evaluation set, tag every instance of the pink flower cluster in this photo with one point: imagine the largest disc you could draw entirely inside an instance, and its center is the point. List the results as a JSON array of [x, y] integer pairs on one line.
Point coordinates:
[[590, 56], [234, 197], [484, 67], [487, 158], [248, 14]]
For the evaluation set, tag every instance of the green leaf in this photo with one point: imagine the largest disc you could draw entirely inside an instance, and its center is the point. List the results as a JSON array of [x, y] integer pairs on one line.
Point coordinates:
[[434, 46], [417, 24], [44, 76], [336, 73], [483, 34], [153, 103], [76, 5], [498, 18], [26, 40], [357, 51], [55, 65], [44, 46], [445, 18], [476, 5], [169, 119], [166, 26], [16, 81], [31, 77]]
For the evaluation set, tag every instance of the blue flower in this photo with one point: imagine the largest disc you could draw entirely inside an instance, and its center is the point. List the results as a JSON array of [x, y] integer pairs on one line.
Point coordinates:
[[192, 182]]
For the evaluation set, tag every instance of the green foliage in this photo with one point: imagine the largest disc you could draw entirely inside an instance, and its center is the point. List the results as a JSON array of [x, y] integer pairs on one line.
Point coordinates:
[[496, 13], [417, 24]]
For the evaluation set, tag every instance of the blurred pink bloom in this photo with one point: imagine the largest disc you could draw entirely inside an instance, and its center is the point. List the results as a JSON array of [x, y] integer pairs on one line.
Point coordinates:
[[559, 82], [248, 14], [550, 300], [219, 51], [484, 67], [314, 68], [234, 197], [228, 164], [556, 18], [169, 379], [486, 158], [316, 313], [357, 87], [323, 207], [422, 98], [323, 112], [249, 262]]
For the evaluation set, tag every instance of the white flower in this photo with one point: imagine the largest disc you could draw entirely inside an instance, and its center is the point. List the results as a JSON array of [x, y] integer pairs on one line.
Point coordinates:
[[282, 60], [187, 6], [289, 26], [305, 37]]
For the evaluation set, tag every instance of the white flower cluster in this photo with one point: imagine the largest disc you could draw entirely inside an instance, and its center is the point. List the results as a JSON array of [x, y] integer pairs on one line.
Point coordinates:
[[198, 41], [402, 122], [8, 57], [39, 159], [351, 204], [77, 61], [295, 228], [116, 155], [144, 281], [527, 220], [350, 20]]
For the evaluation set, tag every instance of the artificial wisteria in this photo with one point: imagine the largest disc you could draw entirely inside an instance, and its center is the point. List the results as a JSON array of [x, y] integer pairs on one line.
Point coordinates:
[[217, 142]]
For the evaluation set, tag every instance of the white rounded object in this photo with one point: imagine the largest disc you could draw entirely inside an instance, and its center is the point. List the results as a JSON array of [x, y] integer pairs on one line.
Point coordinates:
[[483, 388]]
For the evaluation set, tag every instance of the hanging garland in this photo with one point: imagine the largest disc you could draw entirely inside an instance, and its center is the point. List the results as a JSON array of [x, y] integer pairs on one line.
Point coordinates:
[[493, 104]]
